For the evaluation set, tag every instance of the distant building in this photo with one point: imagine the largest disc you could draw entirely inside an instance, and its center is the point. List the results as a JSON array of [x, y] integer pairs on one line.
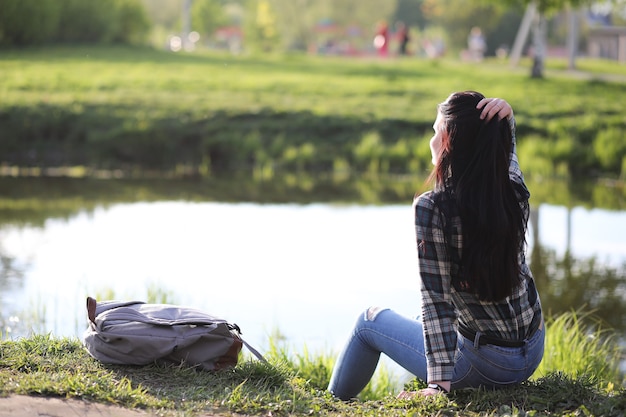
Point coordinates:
[[608, 42]]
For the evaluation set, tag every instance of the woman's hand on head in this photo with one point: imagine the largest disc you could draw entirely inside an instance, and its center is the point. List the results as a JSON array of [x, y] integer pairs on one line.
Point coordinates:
[[494, 106]]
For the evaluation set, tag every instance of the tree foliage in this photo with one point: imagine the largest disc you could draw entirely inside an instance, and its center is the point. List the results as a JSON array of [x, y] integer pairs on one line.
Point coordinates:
[[164, 13], [86, 21], [459, 16], [28, 22], [24, 22], [544, 6], [132, 22], [296, 21], [260, 26], [410, 12], [208, 16]]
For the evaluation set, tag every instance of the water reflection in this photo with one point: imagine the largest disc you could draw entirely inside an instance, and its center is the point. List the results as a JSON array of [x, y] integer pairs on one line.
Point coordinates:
[[11, 277], [567, 283], [343, 246], [593, 283]]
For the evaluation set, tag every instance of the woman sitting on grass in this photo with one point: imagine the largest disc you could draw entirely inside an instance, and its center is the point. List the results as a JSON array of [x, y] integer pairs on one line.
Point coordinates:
[[481, 322]]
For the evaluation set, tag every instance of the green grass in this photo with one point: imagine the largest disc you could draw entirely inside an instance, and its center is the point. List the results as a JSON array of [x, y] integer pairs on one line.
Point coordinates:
[[295, 384], [578, 345], [117, 107]]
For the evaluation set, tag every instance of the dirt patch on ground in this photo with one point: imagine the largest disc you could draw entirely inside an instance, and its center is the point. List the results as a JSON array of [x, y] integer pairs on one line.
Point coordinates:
[[27, 406]]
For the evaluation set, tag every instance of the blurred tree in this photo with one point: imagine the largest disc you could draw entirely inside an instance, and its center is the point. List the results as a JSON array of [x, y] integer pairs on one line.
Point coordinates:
[[355, 20], [208, 16], [164, 13], [410, 12], [618, 13], [501, 38], [458, 17], [121, 21], [260, 26], [364, 15], [27, 22], [132, 20], [537, 12], [296, 20], [86, 21]]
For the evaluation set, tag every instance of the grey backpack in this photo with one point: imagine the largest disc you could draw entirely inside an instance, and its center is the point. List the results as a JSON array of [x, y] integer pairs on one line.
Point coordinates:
[[137, 333]]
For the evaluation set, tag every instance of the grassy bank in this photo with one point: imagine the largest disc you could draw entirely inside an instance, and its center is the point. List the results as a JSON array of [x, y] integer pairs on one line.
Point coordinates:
[[202, 114], [585, 384]]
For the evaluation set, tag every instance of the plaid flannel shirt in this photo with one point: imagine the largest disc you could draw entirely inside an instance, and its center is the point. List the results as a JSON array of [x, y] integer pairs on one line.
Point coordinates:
[[443, 306]]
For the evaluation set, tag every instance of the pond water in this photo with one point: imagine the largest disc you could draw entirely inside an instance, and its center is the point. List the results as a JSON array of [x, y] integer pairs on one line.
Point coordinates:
[[305, 270], [301, 271]]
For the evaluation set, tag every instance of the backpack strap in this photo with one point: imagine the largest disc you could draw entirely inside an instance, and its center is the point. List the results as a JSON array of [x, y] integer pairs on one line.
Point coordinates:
[[246, 344], [91, 309], [254, 351]]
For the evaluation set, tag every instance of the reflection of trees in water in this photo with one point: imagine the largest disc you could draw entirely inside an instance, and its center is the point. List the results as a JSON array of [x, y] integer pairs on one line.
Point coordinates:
[[582, 284], [11, 276], [10, 273]]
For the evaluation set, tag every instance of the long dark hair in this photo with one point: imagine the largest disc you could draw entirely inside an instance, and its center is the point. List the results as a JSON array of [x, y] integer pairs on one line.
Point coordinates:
[[473, 169]]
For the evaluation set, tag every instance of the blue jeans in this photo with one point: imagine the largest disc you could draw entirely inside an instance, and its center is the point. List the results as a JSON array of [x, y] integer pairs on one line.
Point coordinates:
[[402, 339]]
